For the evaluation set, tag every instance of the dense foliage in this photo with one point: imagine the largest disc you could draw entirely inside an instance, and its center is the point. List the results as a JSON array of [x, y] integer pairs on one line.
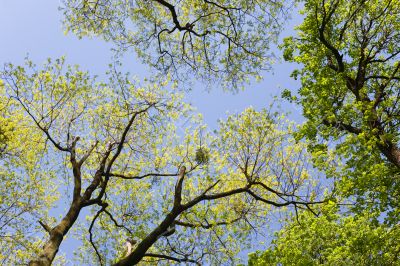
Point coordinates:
[[113, 148], [332, 239], [224, 41], [130, 171], [349, 52]]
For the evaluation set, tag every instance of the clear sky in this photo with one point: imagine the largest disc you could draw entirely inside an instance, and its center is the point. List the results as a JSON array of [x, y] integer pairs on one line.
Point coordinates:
[[34, 27]]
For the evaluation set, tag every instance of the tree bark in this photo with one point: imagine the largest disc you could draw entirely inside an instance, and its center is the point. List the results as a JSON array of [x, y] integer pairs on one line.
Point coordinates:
[[57, 234], [391, 152], [139, 252]]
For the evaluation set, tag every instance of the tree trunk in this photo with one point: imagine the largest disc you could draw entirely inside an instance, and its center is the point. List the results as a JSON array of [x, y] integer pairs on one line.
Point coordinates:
[[392, 153], [137, 255], [57, 234]]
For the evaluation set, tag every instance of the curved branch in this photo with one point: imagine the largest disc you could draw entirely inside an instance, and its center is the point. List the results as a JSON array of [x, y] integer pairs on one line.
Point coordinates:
[[166, 257]]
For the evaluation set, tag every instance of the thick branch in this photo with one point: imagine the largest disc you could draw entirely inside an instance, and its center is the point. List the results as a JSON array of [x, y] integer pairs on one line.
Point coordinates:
[[178, 188], [140, 176], [206, 226], [342, 126], [57, 234], [326, 43], [166, 257], [45, 226]]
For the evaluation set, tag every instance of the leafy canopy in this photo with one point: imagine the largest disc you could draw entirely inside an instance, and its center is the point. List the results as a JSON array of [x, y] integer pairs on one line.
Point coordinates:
[[333, 238], [349, 57], [349, 52], [26, 192], [227, 41], [114, 151]]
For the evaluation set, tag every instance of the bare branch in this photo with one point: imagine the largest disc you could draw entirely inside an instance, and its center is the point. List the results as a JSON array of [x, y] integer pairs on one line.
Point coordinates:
[[166, 257], [140, 176], [45, 226], [178, 188]]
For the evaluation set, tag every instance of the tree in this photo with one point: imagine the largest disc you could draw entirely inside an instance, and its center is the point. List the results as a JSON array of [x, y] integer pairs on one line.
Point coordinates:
[[22, 194], [332, 239], [349, 52], [112, 150], [226, 41]]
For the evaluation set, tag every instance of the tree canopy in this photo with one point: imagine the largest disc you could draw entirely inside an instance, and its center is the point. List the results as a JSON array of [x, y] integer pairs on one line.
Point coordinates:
[[332, 239], [23, 185], [226, 41], [349, 52], [113, 148], [349, 56], [131, 172]]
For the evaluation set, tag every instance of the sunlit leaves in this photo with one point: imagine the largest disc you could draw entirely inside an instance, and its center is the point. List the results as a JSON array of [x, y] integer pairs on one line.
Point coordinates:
[[225, 41], [332, 239], [350, 92], [251, 157], [26, 192]]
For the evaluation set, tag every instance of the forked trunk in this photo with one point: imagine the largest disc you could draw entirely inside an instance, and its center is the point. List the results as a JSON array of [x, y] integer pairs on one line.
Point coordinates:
[[57, 234]]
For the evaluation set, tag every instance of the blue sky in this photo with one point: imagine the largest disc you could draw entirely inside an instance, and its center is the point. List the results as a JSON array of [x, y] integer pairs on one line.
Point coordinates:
[[34, 28]]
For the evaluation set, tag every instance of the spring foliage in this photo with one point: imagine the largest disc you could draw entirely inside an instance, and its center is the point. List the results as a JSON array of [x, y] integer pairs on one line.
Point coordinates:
[[223, 41], [114, 150], [333, 238], [349, 52]]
